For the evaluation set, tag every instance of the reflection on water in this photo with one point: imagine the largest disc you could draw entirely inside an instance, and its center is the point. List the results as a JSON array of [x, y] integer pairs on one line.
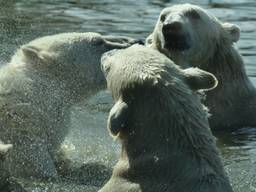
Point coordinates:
[[24, 20]]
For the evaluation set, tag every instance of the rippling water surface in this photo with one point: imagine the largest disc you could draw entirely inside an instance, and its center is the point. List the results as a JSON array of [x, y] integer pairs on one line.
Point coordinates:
[[24, 20]]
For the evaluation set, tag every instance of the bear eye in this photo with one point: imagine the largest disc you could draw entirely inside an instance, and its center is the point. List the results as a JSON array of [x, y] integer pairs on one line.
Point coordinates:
[[162, 17], [192, 14]]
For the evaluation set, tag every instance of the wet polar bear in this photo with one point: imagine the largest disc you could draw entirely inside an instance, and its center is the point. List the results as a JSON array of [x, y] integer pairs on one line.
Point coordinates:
[[167, 144], [38, 86], [190, 36]]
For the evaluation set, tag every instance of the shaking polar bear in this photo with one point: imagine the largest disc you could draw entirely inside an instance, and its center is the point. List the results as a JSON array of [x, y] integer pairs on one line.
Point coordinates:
[[38, 86]]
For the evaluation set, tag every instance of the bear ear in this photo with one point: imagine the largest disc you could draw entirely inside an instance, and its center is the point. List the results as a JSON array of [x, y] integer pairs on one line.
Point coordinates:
[[198, 79], [117, 118], [34, 52], [233, 31]]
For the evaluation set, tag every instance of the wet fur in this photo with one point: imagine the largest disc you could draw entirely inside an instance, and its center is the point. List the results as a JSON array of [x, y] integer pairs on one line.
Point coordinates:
[[37, 89], [233, 103], [166, 141]]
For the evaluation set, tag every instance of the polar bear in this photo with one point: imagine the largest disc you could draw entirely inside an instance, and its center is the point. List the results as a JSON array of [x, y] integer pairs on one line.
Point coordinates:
[[167, 144], [37, 88], [191, 36]]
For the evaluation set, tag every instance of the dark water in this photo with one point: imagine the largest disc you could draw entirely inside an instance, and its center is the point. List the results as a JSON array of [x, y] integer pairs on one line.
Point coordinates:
[[24, 20]]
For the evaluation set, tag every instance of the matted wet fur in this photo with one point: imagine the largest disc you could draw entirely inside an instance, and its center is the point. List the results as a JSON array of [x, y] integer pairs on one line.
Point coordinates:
[[167, 145], [207, 43]]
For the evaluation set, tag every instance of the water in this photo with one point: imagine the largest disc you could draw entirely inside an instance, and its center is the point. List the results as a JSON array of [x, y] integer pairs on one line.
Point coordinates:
[[24, 20]]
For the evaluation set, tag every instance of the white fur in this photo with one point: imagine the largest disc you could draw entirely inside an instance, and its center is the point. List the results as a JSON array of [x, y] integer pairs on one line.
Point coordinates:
[[167, 144], [37, 88], [233, 102]]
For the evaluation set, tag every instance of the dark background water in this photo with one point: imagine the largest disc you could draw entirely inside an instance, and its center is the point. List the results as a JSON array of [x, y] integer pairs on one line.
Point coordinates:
[[24, 20]]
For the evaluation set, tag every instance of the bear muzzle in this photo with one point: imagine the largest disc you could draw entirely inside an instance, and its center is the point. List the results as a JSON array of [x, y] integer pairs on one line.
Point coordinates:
[[174, 36]]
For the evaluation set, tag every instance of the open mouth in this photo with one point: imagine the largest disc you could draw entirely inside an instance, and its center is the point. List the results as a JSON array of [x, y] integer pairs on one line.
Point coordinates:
[[176, 42]]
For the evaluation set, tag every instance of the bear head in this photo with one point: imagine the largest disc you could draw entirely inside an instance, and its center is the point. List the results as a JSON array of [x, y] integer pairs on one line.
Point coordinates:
[[187, 34], [72, 60], [143, 81]]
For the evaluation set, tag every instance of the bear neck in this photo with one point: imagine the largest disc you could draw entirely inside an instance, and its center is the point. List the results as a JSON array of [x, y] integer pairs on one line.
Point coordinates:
[[52, 91], [24, 84], [228, 67], [67, 86], [170, 141], [234, 93]]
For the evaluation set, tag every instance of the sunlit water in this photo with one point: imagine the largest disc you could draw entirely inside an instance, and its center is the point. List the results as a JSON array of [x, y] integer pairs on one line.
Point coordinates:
[[24, 20]]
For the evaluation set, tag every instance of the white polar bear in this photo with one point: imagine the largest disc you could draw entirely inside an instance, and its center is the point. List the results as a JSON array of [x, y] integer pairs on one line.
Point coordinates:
[[191, 36], [167, 145], [38, 86]]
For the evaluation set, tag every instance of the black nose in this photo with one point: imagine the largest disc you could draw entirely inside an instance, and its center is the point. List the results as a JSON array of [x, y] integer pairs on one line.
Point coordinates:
[[173, 27]]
